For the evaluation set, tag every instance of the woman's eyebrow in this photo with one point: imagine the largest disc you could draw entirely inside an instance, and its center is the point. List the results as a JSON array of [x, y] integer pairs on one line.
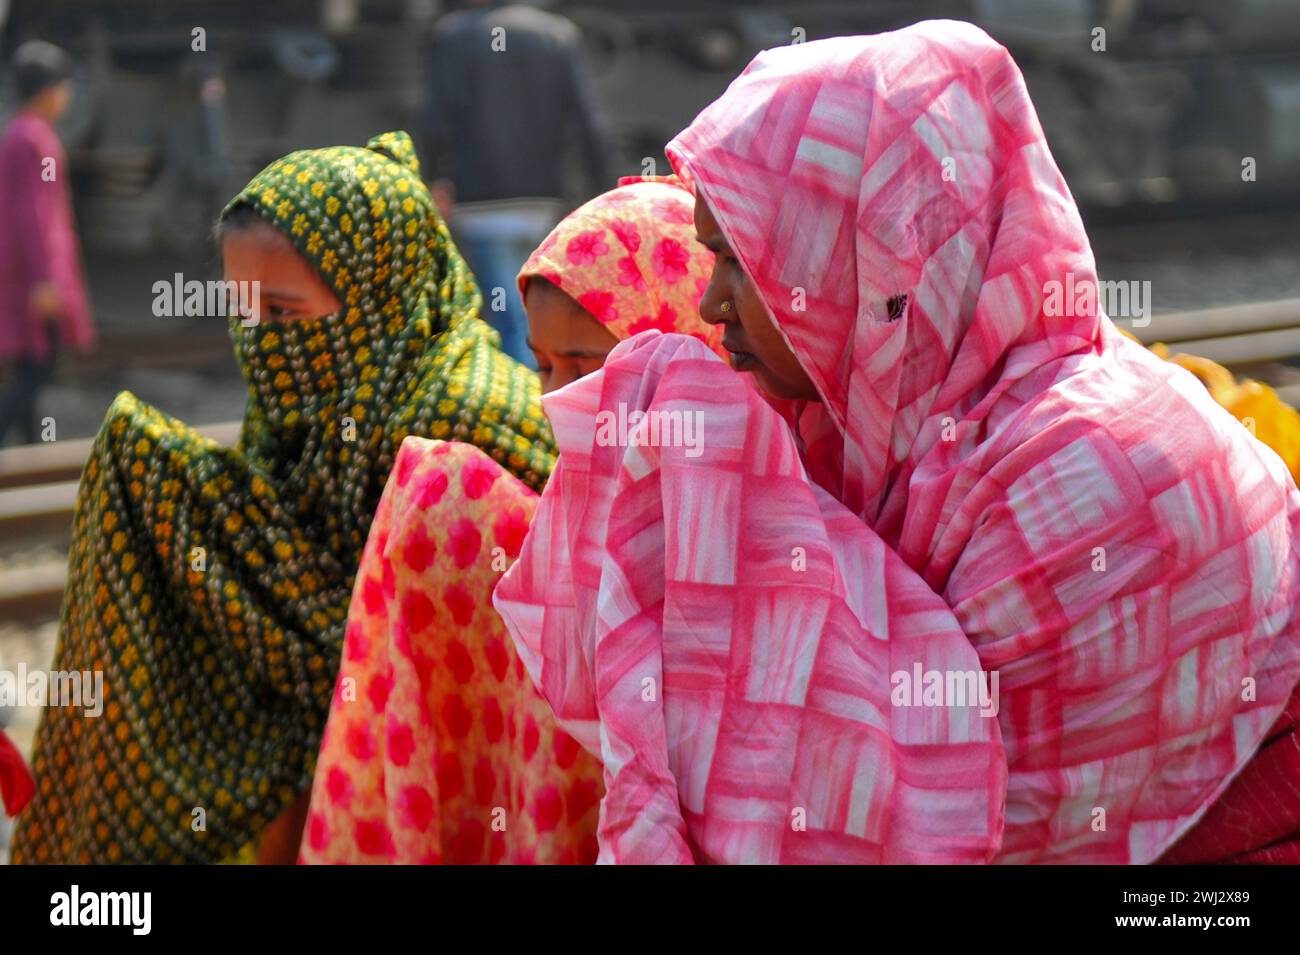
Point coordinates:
[[282, 295], [571, 352]]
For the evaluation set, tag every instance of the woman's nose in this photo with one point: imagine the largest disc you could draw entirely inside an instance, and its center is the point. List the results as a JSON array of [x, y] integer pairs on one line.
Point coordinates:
[[711, 305], [555, 381]]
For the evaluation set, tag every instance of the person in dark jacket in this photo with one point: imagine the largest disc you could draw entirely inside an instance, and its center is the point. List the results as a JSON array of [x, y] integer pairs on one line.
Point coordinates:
[[511, 95]]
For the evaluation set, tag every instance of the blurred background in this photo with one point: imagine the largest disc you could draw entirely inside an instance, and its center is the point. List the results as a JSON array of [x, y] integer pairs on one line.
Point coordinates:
[[1153, 108]]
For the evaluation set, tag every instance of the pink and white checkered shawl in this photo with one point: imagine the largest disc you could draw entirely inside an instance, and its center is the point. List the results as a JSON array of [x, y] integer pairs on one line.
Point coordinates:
[[721, 633], [1108, 540]]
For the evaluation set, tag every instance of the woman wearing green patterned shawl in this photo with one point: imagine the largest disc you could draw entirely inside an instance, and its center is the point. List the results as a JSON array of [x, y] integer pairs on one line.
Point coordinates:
[[211, 585]]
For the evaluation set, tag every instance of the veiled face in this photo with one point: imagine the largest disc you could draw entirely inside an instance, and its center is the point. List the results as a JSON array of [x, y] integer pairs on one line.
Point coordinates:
[[755, 343]]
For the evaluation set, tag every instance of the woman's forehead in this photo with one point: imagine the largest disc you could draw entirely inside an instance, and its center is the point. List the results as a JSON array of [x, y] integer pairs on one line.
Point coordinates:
[[707, 230], [264, 252]]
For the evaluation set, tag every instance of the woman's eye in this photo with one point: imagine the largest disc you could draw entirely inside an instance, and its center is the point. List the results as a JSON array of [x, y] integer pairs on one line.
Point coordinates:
[[278, 311]]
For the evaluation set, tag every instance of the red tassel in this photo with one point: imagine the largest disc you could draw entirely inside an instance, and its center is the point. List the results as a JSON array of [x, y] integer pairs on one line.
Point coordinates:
[[16, 784]]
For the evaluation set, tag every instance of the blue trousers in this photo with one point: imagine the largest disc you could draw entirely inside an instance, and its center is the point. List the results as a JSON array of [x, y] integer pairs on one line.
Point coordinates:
[[496, 243]]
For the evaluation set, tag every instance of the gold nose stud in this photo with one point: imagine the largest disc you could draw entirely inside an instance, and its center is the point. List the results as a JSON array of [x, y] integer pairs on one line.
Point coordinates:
[[726, 307]]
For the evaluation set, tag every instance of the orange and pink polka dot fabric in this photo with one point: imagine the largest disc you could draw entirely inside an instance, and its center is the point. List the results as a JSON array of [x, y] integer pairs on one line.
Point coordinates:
[[438, 748]]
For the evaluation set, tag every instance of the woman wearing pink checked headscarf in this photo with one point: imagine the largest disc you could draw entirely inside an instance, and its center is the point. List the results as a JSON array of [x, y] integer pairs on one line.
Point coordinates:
[[1001, 587]]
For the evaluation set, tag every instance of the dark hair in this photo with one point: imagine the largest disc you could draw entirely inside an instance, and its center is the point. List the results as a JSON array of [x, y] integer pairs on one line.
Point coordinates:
[[241, 218], [550, 288], [542, 280], [37, 65]]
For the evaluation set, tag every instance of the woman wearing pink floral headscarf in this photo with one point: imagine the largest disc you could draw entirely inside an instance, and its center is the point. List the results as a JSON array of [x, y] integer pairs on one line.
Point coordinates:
[[1012, 589], [438, 748], [623, 263]]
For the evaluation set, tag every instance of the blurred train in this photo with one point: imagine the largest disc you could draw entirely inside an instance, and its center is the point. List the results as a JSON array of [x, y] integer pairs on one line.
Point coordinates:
[[1148, 104]]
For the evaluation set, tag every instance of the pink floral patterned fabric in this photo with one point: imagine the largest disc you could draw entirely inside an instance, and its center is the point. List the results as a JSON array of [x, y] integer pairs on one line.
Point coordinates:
[[1097, 530], [629, 257]]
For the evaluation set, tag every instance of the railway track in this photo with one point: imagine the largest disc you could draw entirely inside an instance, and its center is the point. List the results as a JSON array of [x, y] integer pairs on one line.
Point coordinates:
[[38, 491], [38, 484]]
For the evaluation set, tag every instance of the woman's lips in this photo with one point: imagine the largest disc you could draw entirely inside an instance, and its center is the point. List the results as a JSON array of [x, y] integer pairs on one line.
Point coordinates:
[[743, 361]]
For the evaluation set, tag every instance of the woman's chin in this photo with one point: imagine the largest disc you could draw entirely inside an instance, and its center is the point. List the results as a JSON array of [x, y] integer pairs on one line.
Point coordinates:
[[744, 362], [773, 388]]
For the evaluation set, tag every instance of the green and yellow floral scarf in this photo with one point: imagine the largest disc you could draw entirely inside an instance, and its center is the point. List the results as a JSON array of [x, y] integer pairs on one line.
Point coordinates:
[[211, 585]]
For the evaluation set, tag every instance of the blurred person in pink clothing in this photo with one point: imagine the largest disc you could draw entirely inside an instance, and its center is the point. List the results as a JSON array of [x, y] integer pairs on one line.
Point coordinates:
[[43, 304]]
